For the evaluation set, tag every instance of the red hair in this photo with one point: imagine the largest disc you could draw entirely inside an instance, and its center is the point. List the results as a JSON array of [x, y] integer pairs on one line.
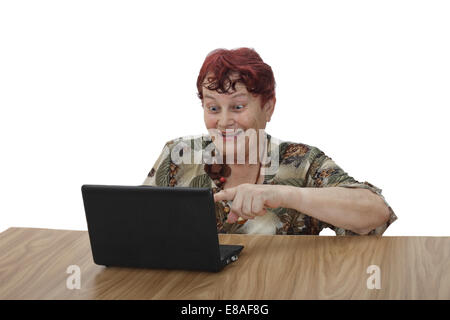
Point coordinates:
[[253, 72]]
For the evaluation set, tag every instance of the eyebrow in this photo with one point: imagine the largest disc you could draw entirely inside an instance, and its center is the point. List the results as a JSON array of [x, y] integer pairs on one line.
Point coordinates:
[[233, 96]]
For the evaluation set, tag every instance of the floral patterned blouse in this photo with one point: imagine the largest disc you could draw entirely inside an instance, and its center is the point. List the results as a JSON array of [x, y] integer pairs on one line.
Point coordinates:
[[299, 165]]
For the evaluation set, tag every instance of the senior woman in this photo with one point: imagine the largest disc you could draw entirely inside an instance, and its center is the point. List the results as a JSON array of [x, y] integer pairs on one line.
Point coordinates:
[[301, 191]]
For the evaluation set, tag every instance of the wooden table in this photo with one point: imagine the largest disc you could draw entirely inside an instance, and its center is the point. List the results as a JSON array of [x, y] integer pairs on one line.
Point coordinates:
[[33, 265]]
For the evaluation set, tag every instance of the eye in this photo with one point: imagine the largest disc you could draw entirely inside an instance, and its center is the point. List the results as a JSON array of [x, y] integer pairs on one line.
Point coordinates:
[[239, 107], [213, 108]]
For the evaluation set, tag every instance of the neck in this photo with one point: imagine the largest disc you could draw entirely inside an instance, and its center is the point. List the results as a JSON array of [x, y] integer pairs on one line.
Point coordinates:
[[245, 169]]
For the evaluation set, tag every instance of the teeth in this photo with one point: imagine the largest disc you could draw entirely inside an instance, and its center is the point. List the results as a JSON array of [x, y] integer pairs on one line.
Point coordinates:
[[231, 134]]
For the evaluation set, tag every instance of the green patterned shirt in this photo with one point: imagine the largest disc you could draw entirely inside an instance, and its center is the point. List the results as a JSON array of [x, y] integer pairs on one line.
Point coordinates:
[[299, 165]]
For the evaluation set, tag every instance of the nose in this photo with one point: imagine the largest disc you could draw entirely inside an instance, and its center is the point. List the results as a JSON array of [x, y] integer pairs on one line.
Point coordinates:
[[225, 120]]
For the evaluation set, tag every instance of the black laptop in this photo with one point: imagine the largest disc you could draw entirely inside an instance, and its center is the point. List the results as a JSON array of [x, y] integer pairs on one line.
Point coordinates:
[[155, 227]]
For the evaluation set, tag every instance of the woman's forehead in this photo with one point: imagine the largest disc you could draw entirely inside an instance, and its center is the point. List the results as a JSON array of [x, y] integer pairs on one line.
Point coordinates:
[[240, 91], [210, 77]]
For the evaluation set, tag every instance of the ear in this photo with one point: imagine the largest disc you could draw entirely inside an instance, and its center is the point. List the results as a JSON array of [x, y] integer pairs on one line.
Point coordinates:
[[269, 108]]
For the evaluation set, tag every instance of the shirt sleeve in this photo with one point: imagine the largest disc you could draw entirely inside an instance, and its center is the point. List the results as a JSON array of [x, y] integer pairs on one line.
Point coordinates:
[[324, 172], [159, 174]]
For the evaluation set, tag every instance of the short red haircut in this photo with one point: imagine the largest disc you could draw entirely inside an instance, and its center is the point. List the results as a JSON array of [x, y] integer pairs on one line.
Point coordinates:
[[253, 72]]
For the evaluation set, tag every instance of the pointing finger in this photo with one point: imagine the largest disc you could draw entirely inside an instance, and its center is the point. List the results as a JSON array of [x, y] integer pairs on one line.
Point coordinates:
[[227, 194]]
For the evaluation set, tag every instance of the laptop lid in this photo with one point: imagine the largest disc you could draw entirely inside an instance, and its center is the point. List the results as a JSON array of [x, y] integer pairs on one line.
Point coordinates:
[[152, 227]]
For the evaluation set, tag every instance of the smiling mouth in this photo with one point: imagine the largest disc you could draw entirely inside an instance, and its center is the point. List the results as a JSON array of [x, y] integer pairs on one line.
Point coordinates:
[[230, 133]]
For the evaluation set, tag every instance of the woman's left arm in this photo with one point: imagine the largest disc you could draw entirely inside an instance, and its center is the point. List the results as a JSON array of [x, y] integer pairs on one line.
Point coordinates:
[[356, 209]]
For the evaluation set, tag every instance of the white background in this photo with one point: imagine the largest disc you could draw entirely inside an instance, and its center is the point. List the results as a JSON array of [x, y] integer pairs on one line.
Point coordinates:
[[91, 90]]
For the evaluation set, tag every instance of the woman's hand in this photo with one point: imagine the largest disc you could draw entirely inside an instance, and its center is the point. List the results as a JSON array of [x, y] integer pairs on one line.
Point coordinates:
[[250, 200]]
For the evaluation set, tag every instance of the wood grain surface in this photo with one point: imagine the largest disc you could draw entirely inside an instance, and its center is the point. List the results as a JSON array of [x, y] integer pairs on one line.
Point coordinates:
[[33, 264]]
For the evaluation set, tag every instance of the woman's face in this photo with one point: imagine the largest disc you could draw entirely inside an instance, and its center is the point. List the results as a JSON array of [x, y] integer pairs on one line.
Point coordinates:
[[237, 111]]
